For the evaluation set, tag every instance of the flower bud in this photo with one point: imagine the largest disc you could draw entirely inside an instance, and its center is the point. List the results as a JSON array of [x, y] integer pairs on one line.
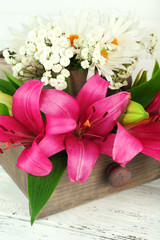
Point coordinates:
[[133, 113], [7, 100]]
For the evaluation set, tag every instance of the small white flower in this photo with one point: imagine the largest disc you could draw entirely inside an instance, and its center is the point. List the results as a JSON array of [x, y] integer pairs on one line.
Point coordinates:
[[18, 67], [57, 68], [51, 34], [65, 73], [37, 55], [8, 60], [58, 31], [91, 42], [32, 47], [5, 53], [47, 50], [31, 36], [55, 49], [45, 80], [64, 61], [61, 86], [43, 58], [54, 40], [24, 61], [84, 52], [54, 58], [47, 74], [15, 74], [69, 53], [42, 33], [13, 61], [62, 52], [22, 50], [63, 42], [48, 65], [53, 82], [85, 64], [29, 52], [60, 78]]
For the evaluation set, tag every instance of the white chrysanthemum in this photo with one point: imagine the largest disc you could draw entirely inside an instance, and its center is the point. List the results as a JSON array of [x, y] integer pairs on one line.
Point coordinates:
[[74, 26], [65, 73]]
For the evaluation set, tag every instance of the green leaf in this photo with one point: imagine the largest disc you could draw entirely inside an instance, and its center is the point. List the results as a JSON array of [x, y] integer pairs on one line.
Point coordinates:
[[146, 92], [156, 67], [137, 79], [4, 109], [40, 189], [14, 81], [141, 78], [6, 87]]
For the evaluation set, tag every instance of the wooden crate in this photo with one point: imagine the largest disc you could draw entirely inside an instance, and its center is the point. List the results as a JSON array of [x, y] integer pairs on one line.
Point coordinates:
[[68, 194]]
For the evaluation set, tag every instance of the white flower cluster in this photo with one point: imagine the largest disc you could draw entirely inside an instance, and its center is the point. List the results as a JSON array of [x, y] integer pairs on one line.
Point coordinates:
[[110, 48], [46, 54]]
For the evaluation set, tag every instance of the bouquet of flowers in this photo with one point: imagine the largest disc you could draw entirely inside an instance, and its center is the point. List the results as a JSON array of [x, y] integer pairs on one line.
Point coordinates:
[[58, 130]]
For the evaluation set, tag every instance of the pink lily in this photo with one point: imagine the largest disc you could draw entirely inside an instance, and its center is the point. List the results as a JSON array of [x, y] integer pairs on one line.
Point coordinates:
[[26, 127], [94, 117], [142, 137]]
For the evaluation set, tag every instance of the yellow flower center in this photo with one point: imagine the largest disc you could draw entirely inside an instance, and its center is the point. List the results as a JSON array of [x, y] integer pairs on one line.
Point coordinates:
[[104, 53], [72, 38], [87, 124]]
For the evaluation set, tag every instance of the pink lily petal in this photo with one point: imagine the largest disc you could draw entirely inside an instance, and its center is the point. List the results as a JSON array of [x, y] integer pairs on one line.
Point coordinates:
[[26, 106], [11, 130], [52, 144], [148, 129], [105, 112], [58, 125], [125, 146], [58, 103], [154, 106], [106, 146], [33, 161], [94, 90], [152, 153], [82, 155]]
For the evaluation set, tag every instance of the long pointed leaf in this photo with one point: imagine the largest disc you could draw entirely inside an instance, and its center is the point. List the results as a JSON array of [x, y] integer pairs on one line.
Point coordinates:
[[146, 92], [40, 189], [6, 87], [156, 67], [14, 81]]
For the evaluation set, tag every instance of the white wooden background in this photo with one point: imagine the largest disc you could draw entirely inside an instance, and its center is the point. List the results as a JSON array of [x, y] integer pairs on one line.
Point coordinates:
[[130, 215], [133, 214]]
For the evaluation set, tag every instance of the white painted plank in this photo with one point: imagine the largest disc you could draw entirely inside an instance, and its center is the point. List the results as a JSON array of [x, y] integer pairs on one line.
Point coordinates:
[[129, 215]]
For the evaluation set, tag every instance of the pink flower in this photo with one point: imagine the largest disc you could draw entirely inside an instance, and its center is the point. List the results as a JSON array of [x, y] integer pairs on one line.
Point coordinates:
[[143, 137], [91, 116], [26, 127]]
